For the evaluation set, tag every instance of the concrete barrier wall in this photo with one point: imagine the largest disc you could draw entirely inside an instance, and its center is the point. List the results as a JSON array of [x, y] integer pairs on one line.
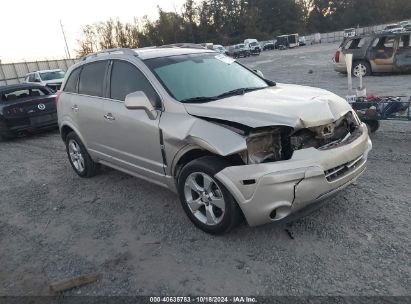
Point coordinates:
[[13, 73], [339, 36]]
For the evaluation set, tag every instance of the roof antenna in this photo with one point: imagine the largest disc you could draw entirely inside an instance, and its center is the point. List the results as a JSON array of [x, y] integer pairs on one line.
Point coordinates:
[[65, 40]]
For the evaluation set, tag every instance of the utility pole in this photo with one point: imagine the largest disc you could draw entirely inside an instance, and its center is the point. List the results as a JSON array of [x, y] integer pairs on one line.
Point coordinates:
[[65, 40]]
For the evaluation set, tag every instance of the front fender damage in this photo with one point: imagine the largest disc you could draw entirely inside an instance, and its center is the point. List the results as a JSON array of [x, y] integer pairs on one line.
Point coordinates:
[[180, 131]]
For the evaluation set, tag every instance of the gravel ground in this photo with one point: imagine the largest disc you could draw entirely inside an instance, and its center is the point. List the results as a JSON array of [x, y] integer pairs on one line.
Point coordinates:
[[54, 225]]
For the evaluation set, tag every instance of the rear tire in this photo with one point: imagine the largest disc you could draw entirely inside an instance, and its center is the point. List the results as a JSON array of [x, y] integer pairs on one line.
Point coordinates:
[[207, 203], [361, 66], [79, 158]]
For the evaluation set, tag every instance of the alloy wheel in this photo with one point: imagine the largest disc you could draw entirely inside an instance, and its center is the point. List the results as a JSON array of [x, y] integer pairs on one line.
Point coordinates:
[[360, 69], [204, 198], [76, 156]]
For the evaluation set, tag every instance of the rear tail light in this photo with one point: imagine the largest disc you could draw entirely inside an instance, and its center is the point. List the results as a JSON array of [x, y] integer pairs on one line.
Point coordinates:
[[337, 57], [57, 98], [15, 111]]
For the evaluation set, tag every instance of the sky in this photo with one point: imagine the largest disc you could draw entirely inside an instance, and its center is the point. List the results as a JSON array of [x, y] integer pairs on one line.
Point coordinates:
[[31, 29]]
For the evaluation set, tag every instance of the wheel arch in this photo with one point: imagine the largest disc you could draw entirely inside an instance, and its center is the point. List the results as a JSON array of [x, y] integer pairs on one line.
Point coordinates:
[[192, 152], [186, 155], [66, 128], [64, 131]]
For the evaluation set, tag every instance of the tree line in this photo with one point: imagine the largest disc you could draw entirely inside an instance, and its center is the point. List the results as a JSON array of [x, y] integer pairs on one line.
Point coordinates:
[[231, 21]]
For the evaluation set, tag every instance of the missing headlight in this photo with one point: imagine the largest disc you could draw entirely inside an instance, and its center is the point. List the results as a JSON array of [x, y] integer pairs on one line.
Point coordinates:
[[267, 145], [322, 136]]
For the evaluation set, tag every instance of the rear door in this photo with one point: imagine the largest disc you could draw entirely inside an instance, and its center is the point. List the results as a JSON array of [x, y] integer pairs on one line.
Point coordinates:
[[87, 107], [381, 53], [402, 59], [132, 138]]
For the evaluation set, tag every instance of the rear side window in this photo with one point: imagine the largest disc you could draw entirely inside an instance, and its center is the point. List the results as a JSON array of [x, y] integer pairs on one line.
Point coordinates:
[[92, 79], [24, 93], [384, 42], [38, 92], [17, 94], [355, 44], [126, 79], [71, 84]]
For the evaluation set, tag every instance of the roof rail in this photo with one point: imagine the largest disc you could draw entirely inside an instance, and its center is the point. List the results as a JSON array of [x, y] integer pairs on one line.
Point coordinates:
[[125, 51], [182, 45]]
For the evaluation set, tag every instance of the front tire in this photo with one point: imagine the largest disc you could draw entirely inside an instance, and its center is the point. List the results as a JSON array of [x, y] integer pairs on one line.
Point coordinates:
[[79, 158], [207, 203], [361, 67]]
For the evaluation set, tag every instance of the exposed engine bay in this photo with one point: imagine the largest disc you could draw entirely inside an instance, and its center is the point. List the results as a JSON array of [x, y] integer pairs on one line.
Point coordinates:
[[278, 143]]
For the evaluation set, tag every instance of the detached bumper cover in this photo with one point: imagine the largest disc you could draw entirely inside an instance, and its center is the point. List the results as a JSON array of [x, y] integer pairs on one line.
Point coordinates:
[[285, 187]]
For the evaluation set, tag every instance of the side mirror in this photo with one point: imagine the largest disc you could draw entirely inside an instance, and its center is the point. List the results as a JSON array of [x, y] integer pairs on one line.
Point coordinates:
[[259, 73], [139, 101]]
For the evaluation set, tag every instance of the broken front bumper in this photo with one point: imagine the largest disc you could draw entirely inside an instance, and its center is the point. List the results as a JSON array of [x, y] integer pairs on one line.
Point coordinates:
[[272, 191]]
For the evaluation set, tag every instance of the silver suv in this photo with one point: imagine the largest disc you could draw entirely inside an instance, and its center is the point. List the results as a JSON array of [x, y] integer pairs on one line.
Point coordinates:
[[231, 143]]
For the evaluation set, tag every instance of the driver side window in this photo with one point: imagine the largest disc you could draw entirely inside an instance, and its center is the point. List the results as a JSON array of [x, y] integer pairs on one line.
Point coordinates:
[[126, 79]]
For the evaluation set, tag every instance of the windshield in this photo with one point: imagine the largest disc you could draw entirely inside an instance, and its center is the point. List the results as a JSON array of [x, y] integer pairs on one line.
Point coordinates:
[[253, 43], [202, 75], [52, 75]]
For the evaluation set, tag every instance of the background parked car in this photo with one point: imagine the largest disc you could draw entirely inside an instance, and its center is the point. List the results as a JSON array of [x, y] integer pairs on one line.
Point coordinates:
[[379, 53], [302, 41], [282, 42], [350, 32], [393, 28], [238, 50], [253, 46], [293, 40], [219, 48], [49, 78], [26, 108], [269, 45], [405, 23]]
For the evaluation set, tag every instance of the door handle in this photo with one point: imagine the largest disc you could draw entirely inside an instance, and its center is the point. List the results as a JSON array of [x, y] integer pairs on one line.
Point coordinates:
[[75, 108], [109, 116]]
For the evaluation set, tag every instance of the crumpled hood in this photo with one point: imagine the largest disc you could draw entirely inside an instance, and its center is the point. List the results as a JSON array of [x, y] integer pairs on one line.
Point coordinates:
[[285, 104]]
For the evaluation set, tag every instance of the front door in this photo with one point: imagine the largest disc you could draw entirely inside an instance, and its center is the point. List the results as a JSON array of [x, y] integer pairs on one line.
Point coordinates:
[[132, 138]]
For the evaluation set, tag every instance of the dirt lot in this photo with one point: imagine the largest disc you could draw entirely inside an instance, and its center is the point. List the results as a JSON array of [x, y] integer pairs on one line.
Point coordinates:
[[54, 225]]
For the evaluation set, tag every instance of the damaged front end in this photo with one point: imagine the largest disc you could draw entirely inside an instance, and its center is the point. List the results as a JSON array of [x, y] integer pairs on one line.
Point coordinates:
[[274, 144], [325, 136], [286, 170]]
